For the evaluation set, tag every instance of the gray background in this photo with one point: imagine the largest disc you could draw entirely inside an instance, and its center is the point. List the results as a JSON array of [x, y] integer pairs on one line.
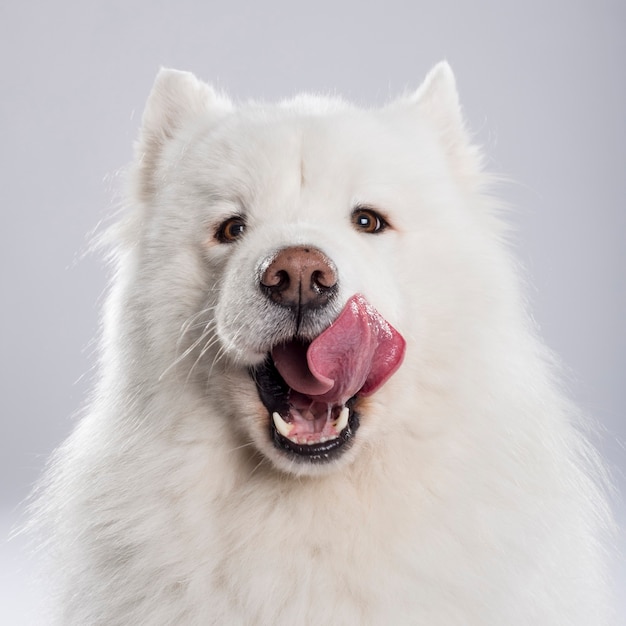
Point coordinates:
[[543, 86]]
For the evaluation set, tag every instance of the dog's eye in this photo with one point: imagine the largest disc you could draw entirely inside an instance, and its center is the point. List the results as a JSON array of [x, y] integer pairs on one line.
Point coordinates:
[[368, 220], [231, 229]]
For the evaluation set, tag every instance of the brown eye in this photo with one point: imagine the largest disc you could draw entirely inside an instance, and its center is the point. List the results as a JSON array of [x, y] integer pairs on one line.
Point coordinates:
[[368, 220], [230, 230]]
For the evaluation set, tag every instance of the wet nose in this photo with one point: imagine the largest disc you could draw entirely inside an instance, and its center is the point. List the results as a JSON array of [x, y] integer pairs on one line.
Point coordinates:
[[300, 276]]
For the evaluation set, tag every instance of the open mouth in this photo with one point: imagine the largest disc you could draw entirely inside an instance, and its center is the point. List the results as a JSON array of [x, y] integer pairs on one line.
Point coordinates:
[[302, 426], [310, 388]]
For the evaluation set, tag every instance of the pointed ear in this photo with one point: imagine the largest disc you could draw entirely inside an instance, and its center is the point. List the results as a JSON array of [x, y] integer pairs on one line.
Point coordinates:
[[437, 100], [176, 99]]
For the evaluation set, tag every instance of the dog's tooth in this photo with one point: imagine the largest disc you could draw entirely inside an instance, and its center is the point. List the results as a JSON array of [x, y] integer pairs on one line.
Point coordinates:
[[281, 425], [342, 420]]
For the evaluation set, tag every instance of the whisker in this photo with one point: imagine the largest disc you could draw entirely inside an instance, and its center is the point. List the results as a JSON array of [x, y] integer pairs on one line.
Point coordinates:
[[188, 351], [256, 467], [209, 344], [249, 444], [187, 324], [190, 325]]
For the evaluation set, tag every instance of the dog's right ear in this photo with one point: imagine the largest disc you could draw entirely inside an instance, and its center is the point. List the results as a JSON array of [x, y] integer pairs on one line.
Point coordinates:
[[176, 98]]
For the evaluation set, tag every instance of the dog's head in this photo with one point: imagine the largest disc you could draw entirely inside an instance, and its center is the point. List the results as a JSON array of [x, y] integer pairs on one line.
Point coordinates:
[[289, 252]]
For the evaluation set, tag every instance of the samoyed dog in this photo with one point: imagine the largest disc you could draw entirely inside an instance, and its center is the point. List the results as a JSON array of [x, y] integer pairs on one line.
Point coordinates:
[[321, 400]]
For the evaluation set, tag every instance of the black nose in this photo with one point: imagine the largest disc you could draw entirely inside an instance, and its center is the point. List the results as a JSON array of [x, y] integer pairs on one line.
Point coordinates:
[[300, 276]]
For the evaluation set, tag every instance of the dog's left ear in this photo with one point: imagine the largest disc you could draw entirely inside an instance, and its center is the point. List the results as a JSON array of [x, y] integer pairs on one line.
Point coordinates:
[[437, 100]]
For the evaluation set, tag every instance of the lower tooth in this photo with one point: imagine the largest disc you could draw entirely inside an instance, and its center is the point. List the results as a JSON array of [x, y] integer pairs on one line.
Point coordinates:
[[342, 420]]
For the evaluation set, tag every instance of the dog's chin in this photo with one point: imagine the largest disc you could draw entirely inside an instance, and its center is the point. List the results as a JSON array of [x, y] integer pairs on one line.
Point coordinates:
[[303, 436]]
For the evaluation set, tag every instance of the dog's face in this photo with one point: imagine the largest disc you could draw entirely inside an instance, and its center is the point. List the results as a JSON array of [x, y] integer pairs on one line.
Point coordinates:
[[277, 236]]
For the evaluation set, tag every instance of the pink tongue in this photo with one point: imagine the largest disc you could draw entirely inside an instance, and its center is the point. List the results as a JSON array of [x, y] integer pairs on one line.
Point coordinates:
[[358, 352]]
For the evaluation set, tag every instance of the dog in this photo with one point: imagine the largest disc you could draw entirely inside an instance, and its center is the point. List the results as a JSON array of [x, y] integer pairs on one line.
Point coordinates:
[[321, 399]]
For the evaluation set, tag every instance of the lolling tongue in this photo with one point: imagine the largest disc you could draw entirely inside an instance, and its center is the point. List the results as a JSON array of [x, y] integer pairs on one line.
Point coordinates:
[[358, 352]]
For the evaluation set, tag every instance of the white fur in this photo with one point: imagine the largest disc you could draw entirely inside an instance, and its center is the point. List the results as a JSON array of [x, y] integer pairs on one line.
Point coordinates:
[[469, 496]]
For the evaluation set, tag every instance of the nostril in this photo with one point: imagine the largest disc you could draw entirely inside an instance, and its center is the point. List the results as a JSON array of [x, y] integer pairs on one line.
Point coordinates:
[[322, 280], [276, 279]]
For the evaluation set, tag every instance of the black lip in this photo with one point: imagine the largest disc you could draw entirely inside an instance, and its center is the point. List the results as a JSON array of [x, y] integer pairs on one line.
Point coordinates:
[[272, 389], [274, 394]]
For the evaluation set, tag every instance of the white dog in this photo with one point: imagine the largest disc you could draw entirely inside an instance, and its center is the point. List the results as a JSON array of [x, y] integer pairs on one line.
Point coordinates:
[[321, 400]]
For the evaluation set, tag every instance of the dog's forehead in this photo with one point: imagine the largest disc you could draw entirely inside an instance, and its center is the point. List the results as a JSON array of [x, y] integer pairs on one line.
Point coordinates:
[[279, 150]]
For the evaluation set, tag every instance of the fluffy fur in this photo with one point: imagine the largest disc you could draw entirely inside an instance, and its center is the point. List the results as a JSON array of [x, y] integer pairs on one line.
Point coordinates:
[[468, 497]]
